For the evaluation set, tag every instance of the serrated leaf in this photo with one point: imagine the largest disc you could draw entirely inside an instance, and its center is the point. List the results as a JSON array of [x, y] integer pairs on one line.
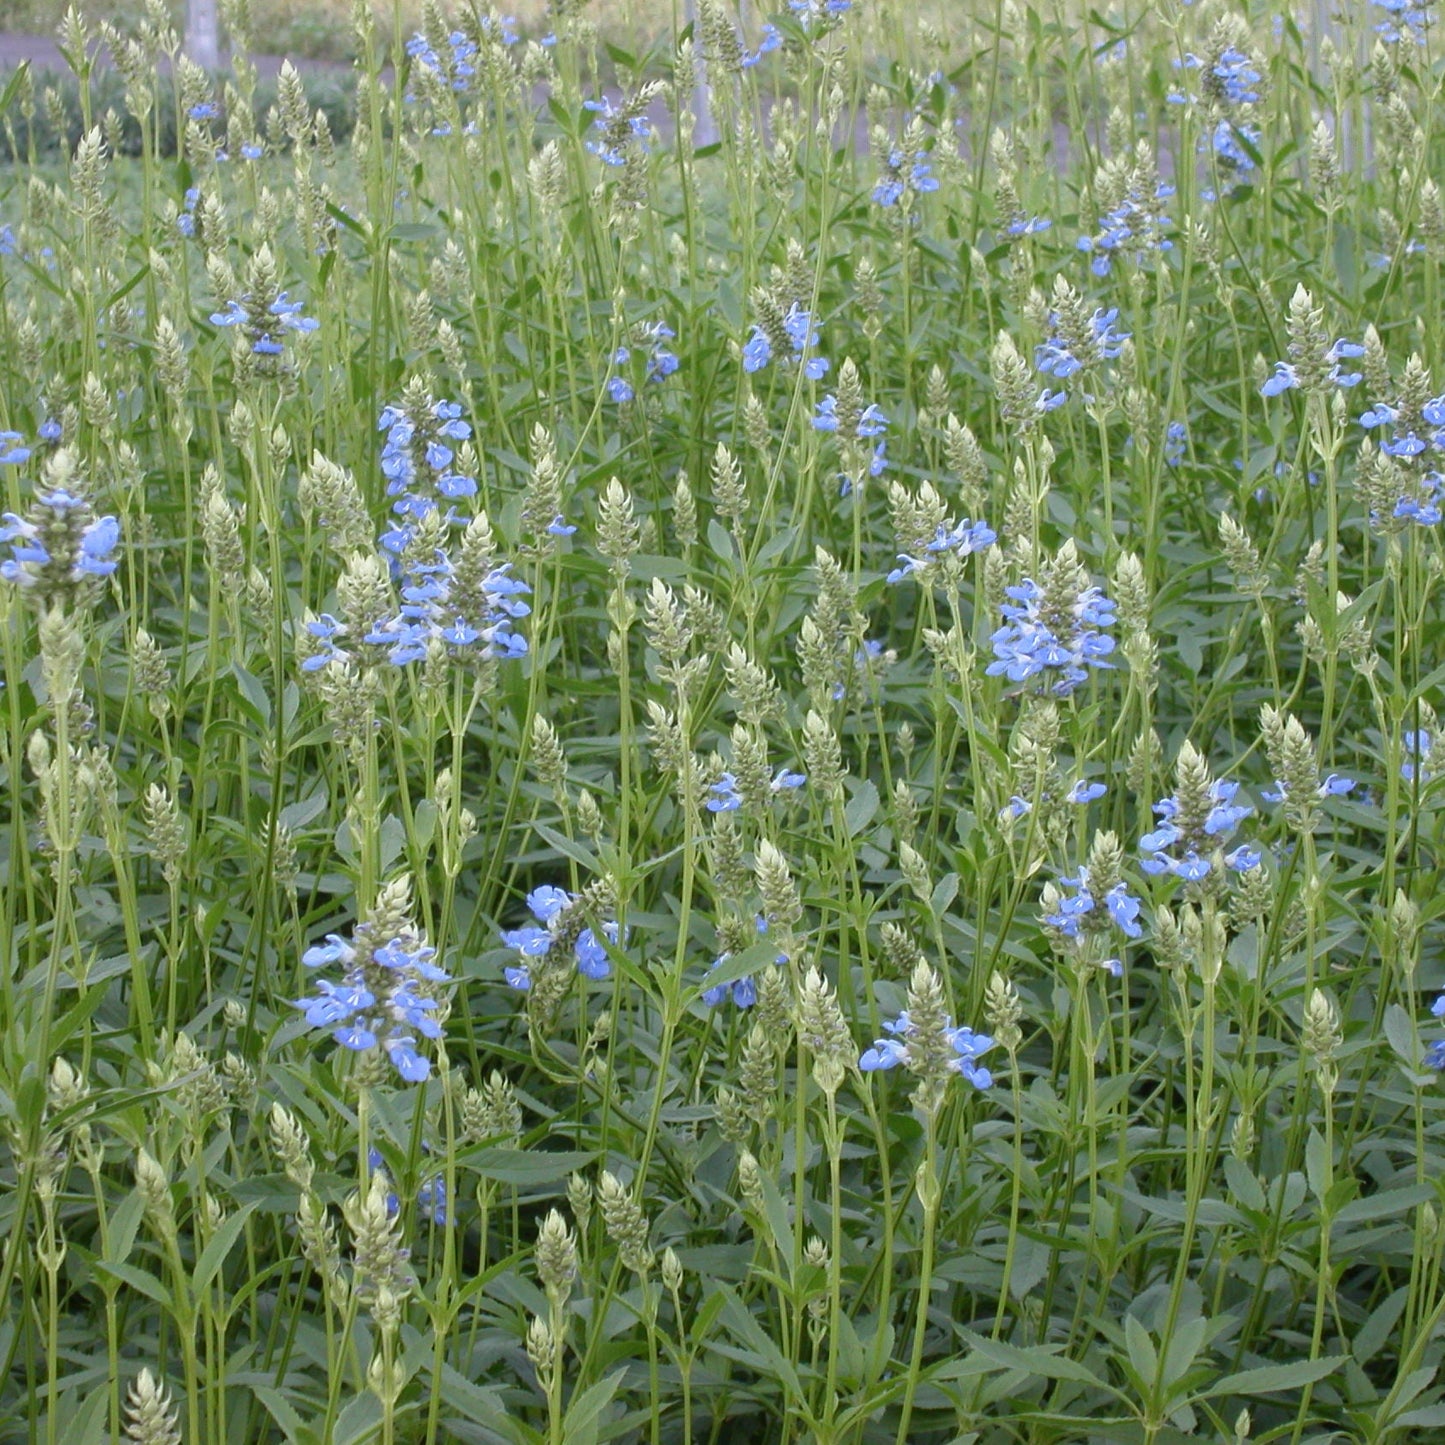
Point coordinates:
[[748, 1332], [138, 1279], [295, 1429], [1380, 1327], [580, 1424]]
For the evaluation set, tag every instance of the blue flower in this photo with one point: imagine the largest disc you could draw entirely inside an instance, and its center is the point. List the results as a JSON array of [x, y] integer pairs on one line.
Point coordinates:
[[1236, 77], [60, 543], [744, 992], [548, 904], [802, 336], [1058, 642], [1334, 786], [1193, 839], [726, 798], [378, 1002], [1055, 356], [265, 323], [967, 1046], [432, 1198], [1073, 910], [1133, 224], [1417, 746], [1226, 141], [903, 177], [771, 40], [1085, 792], [621, 127], [957, 539], [1022, 225], [1407, 21]]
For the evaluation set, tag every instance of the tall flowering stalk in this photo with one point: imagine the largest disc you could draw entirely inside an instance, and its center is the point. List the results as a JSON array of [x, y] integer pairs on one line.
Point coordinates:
[[386, 996]]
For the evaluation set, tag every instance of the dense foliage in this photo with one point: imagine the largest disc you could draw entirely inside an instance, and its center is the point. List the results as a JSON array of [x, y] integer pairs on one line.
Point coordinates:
[[728, 744]]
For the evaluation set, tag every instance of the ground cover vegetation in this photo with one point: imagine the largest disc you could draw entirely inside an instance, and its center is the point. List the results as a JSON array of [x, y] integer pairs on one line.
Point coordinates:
[[750, 762]]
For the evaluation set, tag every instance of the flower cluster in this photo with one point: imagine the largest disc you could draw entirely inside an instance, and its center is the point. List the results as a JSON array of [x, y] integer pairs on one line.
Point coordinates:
[[1334, 785], [1131, 226], [453, 65], [1054, 627], [952, 539], [264, 321], [727, 798], [870, 422], [772, 39], [1073, 345], [621, 127], [743, 990], [186, 220], [60, 548], [384, 999], [800, 333], [1080, 795], [550, 906], [904, 175], [1085, 906], [1422, 747], [418, 452], [967, 1046], [660, 361], [463, 608], [820, 14], [1404, 440], [1288, 374], [1435, 1053], [1228, 141], [1405, 21], [1194, 824]]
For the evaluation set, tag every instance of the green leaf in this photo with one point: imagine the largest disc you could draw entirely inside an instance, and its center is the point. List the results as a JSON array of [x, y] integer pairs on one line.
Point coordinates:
[[861, 807], [748, 1332], [943, 894], [1032, 1360], [568, 847], [138, 1279], [524, 1166], [1142, 1354], [295, 1429], [253, 692], [736, 966], [1400, 1031], [220, 1245], [1269, 1378], [580, 1424]]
